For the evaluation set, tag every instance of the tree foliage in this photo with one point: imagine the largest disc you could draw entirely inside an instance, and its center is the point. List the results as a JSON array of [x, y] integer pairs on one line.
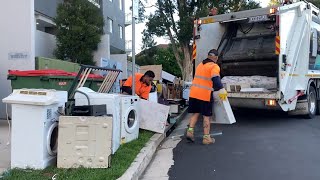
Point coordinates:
[[141, 12], [79, 30], [174, 19], [168, 61], [146, 57], [157, 56], [274, 2], [315, 2]]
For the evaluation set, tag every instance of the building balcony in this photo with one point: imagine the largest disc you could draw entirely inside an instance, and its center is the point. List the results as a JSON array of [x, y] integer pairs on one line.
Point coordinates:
[[128, 46], [95, 2], [128, 19]]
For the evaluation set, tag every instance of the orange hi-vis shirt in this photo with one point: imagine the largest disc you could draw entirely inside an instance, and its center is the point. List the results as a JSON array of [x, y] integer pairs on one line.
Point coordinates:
[[202, 85], [142, 89]]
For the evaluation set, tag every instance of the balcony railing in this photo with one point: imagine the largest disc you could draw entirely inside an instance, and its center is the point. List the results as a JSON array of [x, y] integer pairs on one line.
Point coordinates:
[[95, 2], [128, 19], [128, 45]]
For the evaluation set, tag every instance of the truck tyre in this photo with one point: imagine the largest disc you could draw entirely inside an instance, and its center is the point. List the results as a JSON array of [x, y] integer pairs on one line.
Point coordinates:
[[312, 102]]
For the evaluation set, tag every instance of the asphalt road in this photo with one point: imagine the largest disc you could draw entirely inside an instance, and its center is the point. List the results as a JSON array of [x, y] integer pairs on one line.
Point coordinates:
[[260, 146]]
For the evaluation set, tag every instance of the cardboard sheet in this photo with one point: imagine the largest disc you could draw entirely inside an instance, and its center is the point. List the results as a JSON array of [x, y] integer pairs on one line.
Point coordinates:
[[153, 116], [157, 69], [222, 112]]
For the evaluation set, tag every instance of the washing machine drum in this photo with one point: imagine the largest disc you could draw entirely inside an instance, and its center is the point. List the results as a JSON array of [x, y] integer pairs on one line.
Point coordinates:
[[131, 120], [52, 139]]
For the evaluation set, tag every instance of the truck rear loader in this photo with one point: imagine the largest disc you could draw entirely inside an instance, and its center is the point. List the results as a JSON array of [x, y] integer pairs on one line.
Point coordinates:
[[269, 57]]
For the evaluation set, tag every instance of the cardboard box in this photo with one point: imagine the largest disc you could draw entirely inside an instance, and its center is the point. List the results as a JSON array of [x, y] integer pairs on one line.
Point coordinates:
[[157, 69]]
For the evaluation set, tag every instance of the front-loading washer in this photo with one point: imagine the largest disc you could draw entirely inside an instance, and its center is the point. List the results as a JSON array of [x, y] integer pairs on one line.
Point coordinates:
[[129, 118], [35, 115]]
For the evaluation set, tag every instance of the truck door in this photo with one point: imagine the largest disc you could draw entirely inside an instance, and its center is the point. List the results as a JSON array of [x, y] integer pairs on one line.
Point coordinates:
[[314, 58], [294, 50]]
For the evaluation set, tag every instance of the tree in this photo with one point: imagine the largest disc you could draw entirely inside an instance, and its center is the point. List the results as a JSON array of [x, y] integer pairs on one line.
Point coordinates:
[[274, 2], [146, 57], [160, 55], [79, 30], [141, 12], [315, 2], [168, 61], [180, 30]]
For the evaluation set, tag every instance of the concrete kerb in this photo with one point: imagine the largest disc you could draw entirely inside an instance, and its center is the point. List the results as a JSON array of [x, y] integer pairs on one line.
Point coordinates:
[[146, 154]]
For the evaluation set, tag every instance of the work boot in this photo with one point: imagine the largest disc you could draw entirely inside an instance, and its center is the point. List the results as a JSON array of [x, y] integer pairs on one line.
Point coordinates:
[[190, 135], [207, 140]]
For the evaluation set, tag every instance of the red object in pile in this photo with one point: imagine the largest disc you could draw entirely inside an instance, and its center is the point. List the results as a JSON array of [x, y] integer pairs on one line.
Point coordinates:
[[49, 72]]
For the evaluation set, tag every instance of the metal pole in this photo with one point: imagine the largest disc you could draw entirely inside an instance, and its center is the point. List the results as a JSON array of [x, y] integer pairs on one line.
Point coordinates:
[[133, 51]]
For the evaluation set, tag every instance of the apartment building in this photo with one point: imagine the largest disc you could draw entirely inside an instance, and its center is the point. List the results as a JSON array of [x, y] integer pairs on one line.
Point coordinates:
[[30, 32], [114, 15]]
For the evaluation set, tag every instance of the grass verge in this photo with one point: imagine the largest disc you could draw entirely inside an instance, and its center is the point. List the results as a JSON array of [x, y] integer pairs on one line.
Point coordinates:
[[120, 162]]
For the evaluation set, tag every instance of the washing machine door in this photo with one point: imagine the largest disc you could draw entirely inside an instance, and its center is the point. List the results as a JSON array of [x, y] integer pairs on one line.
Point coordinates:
[[131, 120], [52, 139]]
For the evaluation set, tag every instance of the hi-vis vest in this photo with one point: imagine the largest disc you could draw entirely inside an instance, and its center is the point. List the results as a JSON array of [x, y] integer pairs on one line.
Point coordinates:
[[202, 85]]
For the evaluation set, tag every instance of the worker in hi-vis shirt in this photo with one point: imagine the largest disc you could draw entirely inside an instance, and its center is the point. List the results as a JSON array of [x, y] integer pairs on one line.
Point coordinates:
[[206, 80], [142, 84]]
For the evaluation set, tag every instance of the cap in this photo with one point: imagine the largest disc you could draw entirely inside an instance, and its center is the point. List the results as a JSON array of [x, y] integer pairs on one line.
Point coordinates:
[[213, 52]]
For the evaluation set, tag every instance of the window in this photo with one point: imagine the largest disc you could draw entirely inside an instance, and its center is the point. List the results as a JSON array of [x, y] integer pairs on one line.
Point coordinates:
[[120, 4], [120, 32], [314, 58], [110, 25]]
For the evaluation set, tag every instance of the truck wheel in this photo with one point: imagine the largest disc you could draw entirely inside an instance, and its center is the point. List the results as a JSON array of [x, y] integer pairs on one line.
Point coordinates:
[[312, 102]]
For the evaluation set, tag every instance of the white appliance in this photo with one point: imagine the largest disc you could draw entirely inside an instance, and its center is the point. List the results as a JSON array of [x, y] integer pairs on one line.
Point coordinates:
[[153, 97], [130, 118], [112, 102], [84, 141], [35, 114], [168, 76], [186, 90]]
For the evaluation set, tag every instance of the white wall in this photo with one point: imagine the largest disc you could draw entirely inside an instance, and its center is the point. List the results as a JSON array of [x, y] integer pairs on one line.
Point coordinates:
[[129, 68], [16, 36], [121, 58], [103, 50], [45, 44]]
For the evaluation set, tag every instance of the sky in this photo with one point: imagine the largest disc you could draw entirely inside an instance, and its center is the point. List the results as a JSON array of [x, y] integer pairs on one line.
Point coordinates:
[[140, 27]]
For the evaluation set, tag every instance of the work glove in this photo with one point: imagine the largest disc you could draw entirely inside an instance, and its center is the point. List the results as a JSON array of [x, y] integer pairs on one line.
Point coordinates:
[[223, 94]]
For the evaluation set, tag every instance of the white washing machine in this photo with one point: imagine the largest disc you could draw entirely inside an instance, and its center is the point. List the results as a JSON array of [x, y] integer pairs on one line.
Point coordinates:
[[35, 115], [130, 118], [113, 108]]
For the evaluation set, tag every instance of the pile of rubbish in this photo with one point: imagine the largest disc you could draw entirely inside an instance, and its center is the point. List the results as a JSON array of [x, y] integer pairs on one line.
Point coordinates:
[[265, 82]]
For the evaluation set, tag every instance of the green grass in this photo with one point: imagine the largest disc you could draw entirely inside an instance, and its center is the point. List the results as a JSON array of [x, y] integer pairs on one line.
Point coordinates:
[[120, 162]]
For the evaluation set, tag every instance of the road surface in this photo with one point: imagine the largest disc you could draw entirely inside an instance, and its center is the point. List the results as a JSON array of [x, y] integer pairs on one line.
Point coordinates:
[[261, 145]]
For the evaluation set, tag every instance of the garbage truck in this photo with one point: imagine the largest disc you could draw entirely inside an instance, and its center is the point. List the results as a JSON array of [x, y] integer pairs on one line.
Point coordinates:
[[269, 57]]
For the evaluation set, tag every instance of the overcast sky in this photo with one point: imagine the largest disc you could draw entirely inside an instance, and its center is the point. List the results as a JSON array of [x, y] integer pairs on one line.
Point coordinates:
[[140, 27]]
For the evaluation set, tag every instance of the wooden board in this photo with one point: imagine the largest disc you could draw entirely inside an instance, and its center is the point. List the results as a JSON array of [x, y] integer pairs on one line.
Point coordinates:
[[222, 112], [157, 69], [154, 117]]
